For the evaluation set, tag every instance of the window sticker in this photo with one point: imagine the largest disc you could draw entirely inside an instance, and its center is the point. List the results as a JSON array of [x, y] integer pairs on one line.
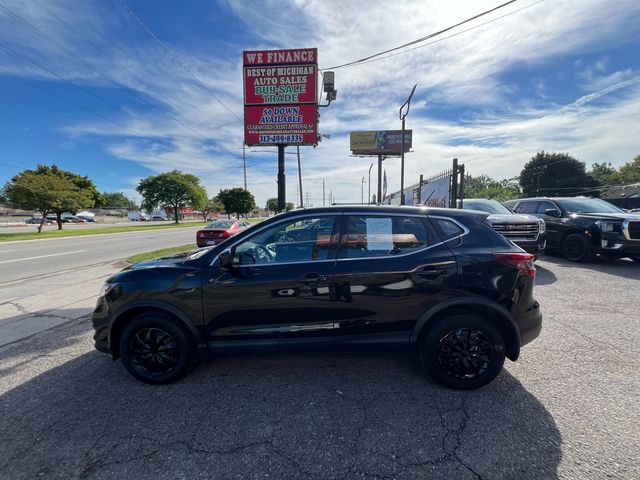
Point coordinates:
[[379, 234]]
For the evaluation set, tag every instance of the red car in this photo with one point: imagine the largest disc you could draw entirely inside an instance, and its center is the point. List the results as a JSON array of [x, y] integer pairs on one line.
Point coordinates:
[[219, 231]]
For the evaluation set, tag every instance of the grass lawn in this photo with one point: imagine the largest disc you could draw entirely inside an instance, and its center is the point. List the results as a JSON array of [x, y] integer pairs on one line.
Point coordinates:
[[147, 256], [8, 237]]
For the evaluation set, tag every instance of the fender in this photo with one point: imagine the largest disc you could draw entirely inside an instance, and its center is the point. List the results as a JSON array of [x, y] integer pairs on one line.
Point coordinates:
[[513, 350], [184, 319]]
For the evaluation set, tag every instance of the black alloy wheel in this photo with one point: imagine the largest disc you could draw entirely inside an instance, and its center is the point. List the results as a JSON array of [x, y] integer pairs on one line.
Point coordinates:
[[156, 349], [576, 248], [463, 351]]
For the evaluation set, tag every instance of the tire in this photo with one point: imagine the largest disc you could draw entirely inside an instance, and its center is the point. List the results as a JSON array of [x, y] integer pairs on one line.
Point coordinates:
[[463, 351], [576, 248], [156, 349]]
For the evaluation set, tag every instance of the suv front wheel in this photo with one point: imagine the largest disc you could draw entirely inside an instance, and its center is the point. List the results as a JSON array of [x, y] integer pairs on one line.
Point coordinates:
[[156, 349], [462, 351]]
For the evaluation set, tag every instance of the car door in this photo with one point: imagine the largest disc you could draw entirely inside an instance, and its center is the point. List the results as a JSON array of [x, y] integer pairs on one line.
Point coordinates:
[[276, 290], [554, 224], [391, 269]]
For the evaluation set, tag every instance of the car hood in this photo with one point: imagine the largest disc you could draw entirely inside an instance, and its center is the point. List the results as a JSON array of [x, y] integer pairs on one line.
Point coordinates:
[[161, 266], [511, 218]]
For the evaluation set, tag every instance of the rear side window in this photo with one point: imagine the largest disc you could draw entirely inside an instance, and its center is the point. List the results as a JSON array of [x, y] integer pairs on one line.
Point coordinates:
[[528, 207], [380, 236], [447, 229]]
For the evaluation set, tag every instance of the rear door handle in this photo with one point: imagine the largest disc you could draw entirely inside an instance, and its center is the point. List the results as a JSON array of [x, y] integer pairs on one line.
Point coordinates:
[[434, 271]]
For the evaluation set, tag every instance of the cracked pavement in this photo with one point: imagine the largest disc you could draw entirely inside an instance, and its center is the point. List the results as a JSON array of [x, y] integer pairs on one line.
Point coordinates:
[[567, 409]]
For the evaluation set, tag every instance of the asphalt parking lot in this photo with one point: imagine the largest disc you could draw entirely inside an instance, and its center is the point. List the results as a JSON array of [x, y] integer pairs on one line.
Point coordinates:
[[567, 409]]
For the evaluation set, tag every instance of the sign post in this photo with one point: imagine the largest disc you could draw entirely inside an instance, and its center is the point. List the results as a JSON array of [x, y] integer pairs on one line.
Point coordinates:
[[281, 102]]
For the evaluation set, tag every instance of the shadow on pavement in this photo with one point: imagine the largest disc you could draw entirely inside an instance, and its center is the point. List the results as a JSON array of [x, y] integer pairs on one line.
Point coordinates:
[[544, 276], [619, 267], [297, 415]]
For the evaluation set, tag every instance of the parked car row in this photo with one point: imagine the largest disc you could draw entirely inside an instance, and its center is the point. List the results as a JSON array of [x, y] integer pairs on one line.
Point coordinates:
[[51, 219]]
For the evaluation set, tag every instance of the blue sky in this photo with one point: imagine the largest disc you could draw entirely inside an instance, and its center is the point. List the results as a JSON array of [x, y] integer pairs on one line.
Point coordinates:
[[553, 75]]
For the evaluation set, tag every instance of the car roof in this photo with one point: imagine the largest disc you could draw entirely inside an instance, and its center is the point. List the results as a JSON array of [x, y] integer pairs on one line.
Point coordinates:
[[365, 209]]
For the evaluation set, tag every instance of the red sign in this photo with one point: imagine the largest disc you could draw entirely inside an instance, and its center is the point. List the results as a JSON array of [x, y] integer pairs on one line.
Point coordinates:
[[280, 97], [280, 84], [288, 124]]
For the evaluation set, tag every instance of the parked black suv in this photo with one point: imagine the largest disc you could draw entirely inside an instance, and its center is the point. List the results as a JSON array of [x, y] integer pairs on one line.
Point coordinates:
[[580, 227], [438, 280], [526, 231]]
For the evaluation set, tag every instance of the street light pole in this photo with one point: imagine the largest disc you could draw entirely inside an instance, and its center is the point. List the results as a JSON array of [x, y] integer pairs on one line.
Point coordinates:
[[323, 192], [369, 183], [362, 191], [300, 177], [402, 117], [244, 165]]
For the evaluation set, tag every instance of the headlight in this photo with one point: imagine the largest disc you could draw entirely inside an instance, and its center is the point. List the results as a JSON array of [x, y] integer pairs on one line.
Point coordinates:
[[543, 227], [106, 288], [608, 226]]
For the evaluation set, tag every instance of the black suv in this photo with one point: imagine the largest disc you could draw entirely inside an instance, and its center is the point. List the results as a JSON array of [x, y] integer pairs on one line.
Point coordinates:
[[580, 227], [437, 280]]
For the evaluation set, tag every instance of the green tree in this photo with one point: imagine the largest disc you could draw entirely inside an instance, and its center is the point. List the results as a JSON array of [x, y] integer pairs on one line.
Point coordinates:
[[213, 206], [629, 172], [85, 194], [289, 206], [237, 200], [118, 200], [483, 186], [172, 189], [555, 174], [272, 205], [43, 192]]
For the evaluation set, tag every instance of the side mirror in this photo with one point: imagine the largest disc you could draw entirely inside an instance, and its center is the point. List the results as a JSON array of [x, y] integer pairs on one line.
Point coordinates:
[[226, 258], [552, 212]]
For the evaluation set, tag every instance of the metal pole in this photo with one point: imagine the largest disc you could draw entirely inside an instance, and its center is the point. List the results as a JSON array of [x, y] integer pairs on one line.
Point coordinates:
[[323, 204], [369, 194], [402, 165], [379, 198], [244, 166], [300, 177], [461, 186], [362, 191], [282, 192], [454, 184]]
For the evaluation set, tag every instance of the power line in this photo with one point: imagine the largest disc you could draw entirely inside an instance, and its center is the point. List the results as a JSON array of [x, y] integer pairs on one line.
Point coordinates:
[[177, 60], [452, 35], [421, 39], [74, 56], [123, 67]]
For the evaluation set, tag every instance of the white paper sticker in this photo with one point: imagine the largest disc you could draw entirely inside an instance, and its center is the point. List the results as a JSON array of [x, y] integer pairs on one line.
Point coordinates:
[[379, 234]]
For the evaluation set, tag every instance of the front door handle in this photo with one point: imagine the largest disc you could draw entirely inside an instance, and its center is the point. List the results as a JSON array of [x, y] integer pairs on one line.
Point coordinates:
[[314, 279]]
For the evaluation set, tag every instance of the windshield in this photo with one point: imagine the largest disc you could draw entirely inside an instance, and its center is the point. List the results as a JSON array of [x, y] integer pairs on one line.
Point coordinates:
[[489, 206], [588, 205], [220, 224]]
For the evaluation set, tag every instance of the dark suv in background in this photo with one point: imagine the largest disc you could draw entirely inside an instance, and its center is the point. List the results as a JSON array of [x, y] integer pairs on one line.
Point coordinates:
[[580, 227], [437, 280], [526, 231]]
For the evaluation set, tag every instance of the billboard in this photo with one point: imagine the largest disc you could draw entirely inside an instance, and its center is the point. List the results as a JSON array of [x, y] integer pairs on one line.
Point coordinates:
[[280, 97], [436, 193], [380, 142]]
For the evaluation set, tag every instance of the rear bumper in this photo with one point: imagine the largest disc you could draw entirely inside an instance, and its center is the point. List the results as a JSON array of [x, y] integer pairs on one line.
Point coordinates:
[[530, 324]]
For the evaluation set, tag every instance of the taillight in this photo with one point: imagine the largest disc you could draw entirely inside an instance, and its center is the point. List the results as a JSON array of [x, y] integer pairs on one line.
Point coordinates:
[[225, 234], [519, 260]]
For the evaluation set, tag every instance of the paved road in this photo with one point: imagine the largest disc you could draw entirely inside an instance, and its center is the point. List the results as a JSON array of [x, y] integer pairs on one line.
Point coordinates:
[[44, 283], [76, 226], [19, 260], [567, 409]]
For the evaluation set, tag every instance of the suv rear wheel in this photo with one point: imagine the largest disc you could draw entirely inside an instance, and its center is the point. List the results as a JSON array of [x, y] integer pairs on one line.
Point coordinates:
[[156, 349], [462, 351]]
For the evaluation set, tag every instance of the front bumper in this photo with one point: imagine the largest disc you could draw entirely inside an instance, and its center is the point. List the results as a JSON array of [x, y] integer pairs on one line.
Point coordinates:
[[101, 319], [536, 247], [616, 245]]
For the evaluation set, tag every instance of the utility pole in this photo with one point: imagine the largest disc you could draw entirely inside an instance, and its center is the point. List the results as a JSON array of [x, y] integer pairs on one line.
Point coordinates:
[[379, 198], [402, 117], [282, 192], [300, 176], [244, 165], [369, 183]]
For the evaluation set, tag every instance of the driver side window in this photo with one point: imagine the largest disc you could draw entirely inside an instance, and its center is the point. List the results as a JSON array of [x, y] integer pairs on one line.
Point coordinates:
[[299, 240]]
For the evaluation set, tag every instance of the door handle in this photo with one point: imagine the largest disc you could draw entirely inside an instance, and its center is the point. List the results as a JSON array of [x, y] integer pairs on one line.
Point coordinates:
[[431, 272], [314, 279]]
